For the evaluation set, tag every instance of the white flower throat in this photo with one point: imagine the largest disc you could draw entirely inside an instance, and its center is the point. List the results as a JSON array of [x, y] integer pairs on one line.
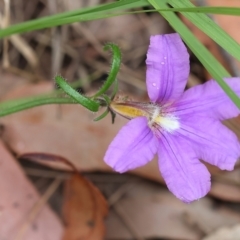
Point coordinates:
[[168, 122], [156, 118]]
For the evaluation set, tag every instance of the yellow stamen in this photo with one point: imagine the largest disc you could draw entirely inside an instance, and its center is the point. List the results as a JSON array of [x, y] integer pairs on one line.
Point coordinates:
[[126, 110]]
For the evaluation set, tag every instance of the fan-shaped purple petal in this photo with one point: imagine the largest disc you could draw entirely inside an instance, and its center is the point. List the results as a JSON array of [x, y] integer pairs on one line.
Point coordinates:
[[186, 177], [134, 146], [167, 67], [209, 98], [211, 140]]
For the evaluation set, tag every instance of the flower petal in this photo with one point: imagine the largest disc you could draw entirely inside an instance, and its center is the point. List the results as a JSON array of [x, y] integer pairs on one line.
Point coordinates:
[[209, 98], [134, 146], [167, 67], [211, 140], [186, 177]]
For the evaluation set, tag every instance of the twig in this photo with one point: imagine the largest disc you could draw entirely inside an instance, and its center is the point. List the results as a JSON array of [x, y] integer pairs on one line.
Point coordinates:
[[5, 23]]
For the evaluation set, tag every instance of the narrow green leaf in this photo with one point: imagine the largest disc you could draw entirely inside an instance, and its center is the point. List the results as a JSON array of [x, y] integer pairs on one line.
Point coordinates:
[[116, 63], [234, 11], [84, 101], [91, 13], [56, 97], [210, 10], [101, 116], [14, 106], [206, 58], [203, 22]]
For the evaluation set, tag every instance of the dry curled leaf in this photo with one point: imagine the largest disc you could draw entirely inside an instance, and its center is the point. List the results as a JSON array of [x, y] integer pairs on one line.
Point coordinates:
[[84, 207], [84, 210]]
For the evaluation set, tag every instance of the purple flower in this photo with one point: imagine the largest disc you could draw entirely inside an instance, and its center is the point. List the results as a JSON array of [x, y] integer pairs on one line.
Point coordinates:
[[181, 127]]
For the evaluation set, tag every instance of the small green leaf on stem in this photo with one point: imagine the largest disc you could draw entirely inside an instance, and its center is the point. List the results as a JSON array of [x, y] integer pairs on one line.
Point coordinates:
[[116, 62], [101, 116], [84, 101]]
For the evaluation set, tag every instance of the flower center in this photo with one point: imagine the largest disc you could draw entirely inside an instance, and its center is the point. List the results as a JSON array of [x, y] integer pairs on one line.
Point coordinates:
[[156, 117], [167, 121]]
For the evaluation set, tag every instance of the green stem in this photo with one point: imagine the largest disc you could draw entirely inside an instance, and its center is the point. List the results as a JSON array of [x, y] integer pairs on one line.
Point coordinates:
[[18, 105]]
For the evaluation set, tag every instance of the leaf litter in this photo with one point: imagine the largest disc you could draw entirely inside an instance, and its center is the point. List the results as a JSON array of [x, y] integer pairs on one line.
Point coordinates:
[[23, 213], [84, 207], [147, 210], [84, 210]]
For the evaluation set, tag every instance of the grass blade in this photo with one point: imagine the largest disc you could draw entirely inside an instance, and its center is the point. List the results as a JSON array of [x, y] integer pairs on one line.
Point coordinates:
[[85, 14], [203, 22], [206, 58]]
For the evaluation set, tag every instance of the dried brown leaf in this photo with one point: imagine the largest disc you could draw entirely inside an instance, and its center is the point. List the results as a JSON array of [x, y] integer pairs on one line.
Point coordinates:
[[225, 233], [18, 197], [153, 212], [84, 210], [46, 157], [226, 185], [226, 191], [84, 206]]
